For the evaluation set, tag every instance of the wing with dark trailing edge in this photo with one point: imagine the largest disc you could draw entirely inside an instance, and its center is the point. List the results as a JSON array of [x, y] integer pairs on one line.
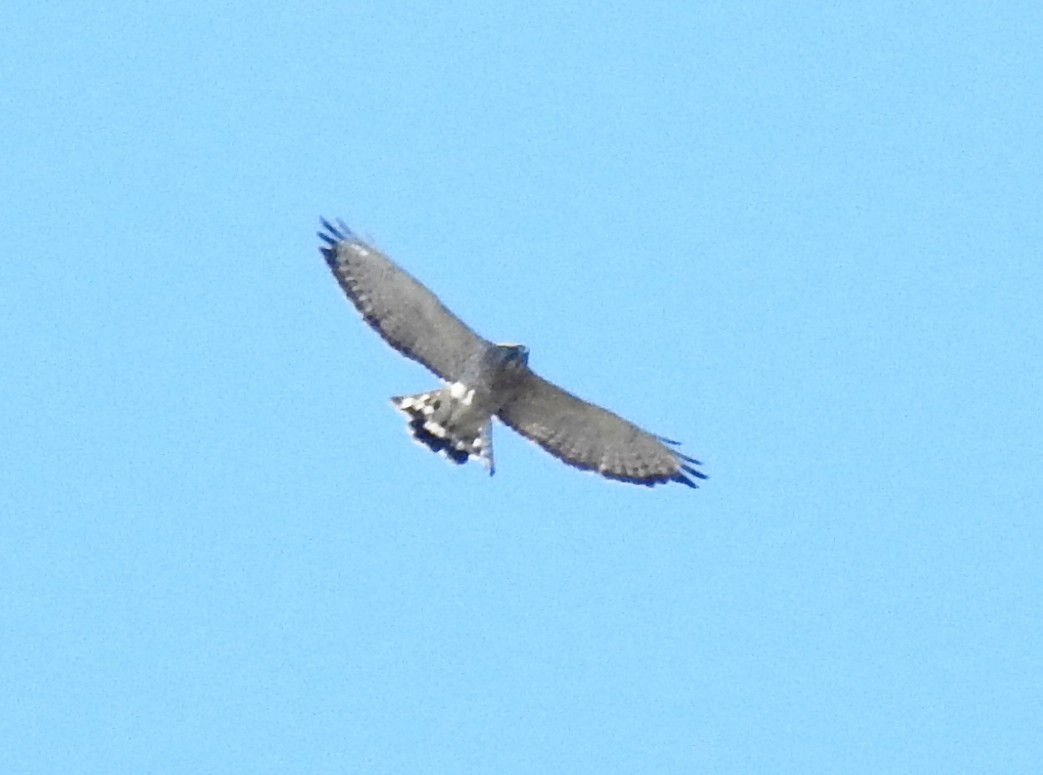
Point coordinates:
[[586, 436], [409, 316]]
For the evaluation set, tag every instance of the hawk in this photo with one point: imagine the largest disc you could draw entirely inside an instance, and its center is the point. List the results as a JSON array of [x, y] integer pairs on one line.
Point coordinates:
[[485, 380]]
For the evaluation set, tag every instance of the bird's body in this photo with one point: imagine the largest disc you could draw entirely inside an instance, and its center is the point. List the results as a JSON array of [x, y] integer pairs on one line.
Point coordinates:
[[486, 380], [457, 419]]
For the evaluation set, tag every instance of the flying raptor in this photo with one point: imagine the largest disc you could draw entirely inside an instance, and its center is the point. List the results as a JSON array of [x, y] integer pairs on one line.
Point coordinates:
[[484, 380]]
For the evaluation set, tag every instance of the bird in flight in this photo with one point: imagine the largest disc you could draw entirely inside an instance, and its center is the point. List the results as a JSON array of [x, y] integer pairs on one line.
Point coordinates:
[[485, 380]]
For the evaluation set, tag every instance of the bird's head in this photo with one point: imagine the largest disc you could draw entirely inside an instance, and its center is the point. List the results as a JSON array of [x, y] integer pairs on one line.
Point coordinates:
[[514, 353]]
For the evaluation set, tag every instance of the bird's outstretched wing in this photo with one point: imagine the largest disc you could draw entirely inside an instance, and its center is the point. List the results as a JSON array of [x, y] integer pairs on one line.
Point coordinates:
[[586, 436], [409, 316]]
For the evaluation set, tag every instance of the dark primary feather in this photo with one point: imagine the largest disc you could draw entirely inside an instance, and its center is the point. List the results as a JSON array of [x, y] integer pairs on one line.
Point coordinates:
[[586, 436], [406, 314]]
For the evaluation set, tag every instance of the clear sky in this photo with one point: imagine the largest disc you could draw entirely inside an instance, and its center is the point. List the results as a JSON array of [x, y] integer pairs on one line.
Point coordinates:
[[803, 238]]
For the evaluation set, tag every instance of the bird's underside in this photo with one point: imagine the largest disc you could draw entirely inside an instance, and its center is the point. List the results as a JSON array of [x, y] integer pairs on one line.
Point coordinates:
[[485, 380]]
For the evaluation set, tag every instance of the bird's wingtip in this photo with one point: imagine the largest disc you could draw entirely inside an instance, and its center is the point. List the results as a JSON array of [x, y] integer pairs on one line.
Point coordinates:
[[334, 232]]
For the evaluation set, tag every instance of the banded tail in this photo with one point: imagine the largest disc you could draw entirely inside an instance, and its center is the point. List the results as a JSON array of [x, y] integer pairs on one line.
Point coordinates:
[[441, 422]]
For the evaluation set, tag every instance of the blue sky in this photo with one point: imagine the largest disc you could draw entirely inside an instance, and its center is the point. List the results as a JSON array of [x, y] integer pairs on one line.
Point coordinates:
[[805, 240]]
